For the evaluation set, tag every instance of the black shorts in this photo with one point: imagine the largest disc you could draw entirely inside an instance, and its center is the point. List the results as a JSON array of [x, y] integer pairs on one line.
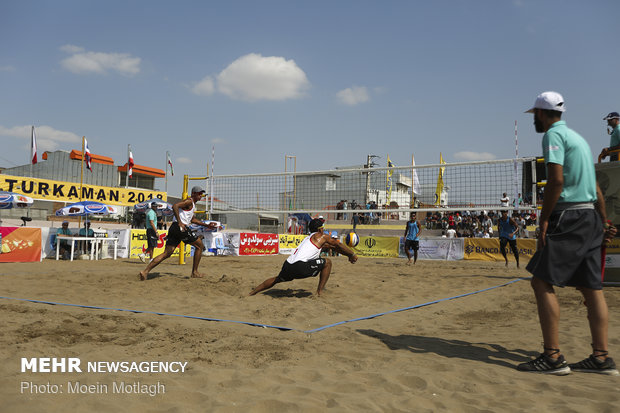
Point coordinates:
[[572, 252], [412, 245], [513, 244], [176, 236], [300, 269], [151, 238]]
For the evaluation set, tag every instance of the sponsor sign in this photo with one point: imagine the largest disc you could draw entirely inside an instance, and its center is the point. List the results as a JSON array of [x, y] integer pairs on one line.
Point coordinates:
[[258, 244], [378, 247], [288, 242], [438, 249], [138, 244], [487, 249], [614, 246], [60, 191], [20, 244]]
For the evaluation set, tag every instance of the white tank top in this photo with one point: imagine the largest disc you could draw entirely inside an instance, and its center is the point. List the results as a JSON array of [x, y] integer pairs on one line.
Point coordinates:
[[186, 216], [306, 251]]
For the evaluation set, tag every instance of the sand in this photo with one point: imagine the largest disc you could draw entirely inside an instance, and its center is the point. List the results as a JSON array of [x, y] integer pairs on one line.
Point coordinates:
[[457, 355]]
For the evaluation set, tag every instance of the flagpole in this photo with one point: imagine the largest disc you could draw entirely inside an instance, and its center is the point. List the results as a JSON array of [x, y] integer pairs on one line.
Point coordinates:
[[212, 177], [127, 174], [31, 158], [515, 176], [31, 142], [127, 182], [412, 204], [81, 180], [167, 156]]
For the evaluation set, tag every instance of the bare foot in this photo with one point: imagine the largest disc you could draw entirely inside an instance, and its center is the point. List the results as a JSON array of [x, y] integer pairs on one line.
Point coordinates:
[[143, 276], [198, 275]]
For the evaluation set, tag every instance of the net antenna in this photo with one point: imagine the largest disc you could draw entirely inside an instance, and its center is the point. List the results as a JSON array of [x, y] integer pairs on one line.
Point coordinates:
[[290, 196]]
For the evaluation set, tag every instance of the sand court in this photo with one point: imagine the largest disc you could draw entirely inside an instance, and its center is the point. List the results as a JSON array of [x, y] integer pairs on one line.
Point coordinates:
[[457, 354]]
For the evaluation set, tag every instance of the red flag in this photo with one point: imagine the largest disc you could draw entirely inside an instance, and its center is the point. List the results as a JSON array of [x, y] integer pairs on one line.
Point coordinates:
[[130, 165], [87, 156], [33, 147]]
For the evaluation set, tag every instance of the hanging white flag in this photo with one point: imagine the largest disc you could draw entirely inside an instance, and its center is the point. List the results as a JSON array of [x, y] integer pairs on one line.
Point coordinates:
[[416, 181], [130, 165], [170, 163], [87, 155], [33, 147]]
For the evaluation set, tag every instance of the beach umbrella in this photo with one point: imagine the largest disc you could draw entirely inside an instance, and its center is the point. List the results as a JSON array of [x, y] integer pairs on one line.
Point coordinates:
[[163, 208], [86, 208], [10, 200]]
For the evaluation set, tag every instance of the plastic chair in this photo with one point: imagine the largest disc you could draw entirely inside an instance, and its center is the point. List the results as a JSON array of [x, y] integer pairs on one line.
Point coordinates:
[[220, 248]]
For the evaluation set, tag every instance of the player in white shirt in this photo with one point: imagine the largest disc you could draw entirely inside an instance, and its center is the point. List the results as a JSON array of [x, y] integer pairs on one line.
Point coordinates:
[[180, 232], [306, 262]]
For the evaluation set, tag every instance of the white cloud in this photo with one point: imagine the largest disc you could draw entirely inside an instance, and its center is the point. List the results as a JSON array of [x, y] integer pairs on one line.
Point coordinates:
[[48, 138], [183, 160], [353, 95], [71, 49], [206, 87], [83, 62], [7, 68], [254, 77], [474, 156]]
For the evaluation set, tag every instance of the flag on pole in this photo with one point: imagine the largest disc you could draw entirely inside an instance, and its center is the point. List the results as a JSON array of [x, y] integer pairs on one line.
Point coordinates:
[[170, 163], [130, 165], [439, 189], [415, 182], [33, 147], [87, 155], [388, 183]]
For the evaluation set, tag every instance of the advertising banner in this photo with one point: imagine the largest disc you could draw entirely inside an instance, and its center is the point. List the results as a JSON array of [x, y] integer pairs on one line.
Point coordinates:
[[614, 246], [123, 242], [451, 249], [487, 249], [138, 244], [288, 242], [20, 244], [378, 247], [228, 240], [60, 191], [258, 244]]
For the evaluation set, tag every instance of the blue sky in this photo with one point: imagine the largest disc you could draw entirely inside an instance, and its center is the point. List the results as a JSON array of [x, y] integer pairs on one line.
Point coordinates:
[[327, 81]]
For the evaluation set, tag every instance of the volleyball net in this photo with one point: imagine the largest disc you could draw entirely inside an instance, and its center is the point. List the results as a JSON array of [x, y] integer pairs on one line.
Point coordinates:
[[472, 186]]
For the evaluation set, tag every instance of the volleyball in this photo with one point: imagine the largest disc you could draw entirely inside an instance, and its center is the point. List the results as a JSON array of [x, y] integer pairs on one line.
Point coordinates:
[[352, 239]]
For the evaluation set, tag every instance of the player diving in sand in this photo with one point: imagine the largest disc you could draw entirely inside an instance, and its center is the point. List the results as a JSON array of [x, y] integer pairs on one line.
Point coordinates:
[[306, 262]]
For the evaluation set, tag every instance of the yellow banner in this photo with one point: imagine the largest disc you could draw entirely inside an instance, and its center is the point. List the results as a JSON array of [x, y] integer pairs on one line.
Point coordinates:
[[378, 247], [290, 241], [614, 246], [49, 190], [487, 249], [138, 244]]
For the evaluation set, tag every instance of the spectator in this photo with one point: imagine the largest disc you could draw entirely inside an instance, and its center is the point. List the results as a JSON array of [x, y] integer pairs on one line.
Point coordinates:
[[64, 247], [613, 123]]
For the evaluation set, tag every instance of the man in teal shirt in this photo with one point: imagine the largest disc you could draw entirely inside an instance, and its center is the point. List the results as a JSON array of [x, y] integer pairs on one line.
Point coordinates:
[[613, 121], [569, 245], [86, 231], [64, 248], [151, 233]]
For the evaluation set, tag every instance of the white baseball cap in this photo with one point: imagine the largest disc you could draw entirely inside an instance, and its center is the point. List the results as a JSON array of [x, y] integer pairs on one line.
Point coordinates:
[[548, 101]]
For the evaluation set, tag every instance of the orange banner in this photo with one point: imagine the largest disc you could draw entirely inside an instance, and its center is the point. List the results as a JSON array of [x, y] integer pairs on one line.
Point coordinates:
[[20, 244]]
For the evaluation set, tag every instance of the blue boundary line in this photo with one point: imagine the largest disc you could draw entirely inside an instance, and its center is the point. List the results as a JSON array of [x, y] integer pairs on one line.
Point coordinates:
[[249, 323]]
